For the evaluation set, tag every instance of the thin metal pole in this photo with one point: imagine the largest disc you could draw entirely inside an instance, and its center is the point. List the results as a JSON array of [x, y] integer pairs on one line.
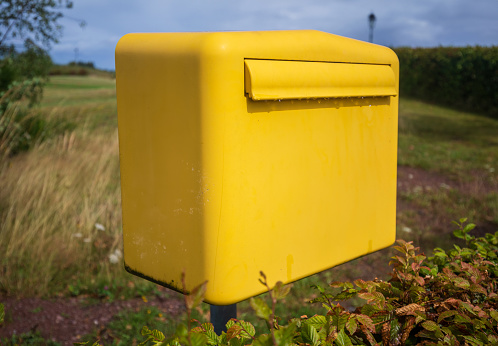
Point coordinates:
[[220, 315]]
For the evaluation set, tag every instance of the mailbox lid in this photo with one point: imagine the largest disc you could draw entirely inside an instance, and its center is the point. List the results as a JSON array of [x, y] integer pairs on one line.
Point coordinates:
[[283, 79]]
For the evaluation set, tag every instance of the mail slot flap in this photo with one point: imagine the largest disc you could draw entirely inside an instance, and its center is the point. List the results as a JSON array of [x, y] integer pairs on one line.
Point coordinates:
[[281, 79]]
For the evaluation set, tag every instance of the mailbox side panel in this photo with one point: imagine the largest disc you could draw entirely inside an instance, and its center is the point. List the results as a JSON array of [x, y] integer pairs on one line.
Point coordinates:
[[158, 96]]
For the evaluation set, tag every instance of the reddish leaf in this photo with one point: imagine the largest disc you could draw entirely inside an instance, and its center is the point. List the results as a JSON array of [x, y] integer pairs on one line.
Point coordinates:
[[366, 321]]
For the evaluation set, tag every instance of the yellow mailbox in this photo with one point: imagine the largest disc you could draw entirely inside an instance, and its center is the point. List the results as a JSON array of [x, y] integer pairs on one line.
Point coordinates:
[[244, 152]]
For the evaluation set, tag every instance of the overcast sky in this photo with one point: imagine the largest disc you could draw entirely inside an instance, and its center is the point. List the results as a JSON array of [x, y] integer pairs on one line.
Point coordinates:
[[415, 23]]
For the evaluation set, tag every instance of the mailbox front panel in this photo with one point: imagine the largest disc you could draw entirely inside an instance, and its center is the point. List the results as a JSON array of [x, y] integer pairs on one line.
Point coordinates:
[[249, 152]]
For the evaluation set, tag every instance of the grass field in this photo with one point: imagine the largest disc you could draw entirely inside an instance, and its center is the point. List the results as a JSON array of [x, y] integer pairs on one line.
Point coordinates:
[[60, 215]]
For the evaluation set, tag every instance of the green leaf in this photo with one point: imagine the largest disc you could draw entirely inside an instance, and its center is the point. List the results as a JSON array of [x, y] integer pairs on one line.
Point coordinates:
[[317, 321], [461, 283], [181, 330], [236, 342], [446, 314], [2, 313], [196, 296], [366, 321], [351, 325], [280, 290], [493, 340], [343, 339], [233, 332], [430, 326], [459, 234], [207, 326], [248, 330], [309, 334], [469, 227], [394, 330], [145, 331], [263, 340], [472, 341], [285, 335], [494, 314], [145, 342], [261, 308], [198, 339], [369, 310], [159, 336], [212, 338]]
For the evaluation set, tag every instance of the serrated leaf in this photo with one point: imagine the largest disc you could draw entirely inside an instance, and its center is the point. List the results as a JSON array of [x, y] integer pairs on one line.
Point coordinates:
[[260, 307], [145, 331], [230, 323], [351, 325], [430, 326], [446, 314], [159, 336], [369, 310], [212, 338], [343, 339], [197, 330], [309, 334], [317, 321], [2, 313], [366, 321], [248, 330], [233, 332], [461, 283], [394, 330], [476, 288], [207, 326], [341, 321]]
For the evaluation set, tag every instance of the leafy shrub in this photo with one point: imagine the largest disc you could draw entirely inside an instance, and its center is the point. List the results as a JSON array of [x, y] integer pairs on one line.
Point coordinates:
[[465, 77], [19, 126], [22, 77], [447, 299]]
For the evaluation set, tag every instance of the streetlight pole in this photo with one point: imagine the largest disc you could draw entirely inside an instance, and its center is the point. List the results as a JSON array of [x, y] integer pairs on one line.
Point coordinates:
[[371, 23]]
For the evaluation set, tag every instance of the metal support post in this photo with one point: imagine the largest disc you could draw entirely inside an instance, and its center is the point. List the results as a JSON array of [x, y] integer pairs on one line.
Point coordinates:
[[220, 315]]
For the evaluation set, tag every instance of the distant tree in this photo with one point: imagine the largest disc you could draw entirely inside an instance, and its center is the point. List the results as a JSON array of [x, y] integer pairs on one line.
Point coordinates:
[[36, 20]]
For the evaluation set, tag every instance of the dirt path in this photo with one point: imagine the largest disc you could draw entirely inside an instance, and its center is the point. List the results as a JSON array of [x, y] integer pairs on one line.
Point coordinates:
[[65, 320]]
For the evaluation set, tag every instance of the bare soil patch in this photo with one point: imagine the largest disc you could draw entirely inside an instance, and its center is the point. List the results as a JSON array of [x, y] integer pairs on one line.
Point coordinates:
[[66, 320]]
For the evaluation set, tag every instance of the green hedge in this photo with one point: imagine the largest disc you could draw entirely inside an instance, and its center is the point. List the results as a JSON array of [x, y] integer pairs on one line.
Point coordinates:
[[465, 78]]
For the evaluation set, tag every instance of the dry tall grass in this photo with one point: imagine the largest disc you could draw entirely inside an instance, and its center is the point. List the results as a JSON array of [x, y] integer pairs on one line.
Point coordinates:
[[54, 202]]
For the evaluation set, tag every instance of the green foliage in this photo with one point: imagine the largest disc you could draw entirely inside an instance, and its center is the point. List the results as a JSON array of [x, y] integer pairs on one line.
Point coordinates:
[[29, 338], [35, 19], [2, 313], [447, 299], [464, 77], [23, 74]]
